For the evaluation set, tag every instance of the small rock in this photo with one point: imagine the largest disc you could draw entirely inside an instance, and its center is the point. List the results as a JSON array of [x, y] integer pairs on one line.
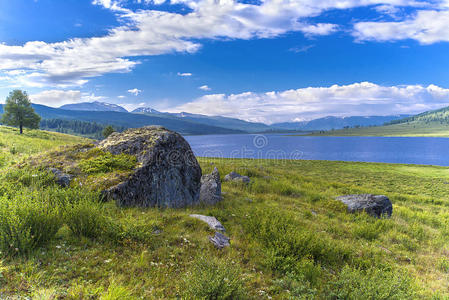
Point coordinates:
[[210, 192], [211, 221], [233, 176], [220, 240], [375, 205], [62, 179], [314, 212]]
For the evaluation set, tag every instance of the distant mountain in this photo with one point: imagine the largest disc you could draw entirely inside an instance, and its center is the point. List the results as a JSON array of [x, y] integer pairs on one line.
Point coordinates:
[[218, 121], [328, 123], [431, 124], [130, 120], [146, 110], [94, 106]]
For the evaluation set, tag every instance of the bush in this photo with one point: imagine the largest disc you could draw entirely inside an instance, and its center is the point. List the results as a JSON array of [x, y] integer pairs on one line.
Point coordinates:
[[371, 284], [214, 279], [105, 162], [28, 220], [297, 286], [286, 242], [85, 216]]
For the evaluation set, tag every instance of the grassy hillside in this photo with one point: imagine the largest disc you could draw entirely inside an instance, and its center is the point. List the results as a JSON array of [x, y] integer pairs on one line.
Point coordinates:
[[290, 239], [15, 147], [432, 123]]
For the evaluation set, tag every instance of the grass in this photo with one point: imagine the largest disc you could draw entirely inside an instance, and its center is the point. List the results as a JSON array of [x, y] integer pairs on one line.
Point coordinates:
[[289, 238], [411, 129]]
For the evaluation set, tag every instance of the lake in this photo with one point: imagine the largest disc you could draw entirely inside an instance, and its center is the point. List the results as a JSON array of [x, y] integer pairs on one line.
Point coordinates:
[[405, 150]]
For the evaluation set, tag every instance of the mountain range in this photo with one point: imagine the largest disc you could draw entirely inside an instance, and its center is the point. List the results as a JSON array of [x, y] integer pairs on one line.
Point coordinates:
[[329, 123], [94, 106], [190, 124]]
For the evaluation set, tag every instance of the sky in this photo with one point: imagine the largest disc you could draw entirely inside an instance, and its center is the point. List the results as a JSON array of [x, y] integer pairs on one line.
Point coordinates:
[[258, 60]]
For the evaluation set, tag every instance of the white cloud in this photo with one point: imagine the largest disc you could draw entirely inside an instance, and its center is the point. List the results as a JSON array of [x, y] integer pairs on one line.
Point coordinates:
[[56, 98], [121, 97], [184, 74], [205, 88], [426, 27], [149, 32], [301, 49], [135, 92], [363, 99]]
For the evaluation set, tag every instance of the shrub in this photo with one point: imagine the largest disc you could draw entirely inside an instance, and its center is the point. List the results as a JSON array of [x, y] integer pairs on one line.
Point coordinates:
[[105, 162], [371, 284], [369, 228], [28, 220], [85, 216], [287, 242], [297, 286], [214, 279]]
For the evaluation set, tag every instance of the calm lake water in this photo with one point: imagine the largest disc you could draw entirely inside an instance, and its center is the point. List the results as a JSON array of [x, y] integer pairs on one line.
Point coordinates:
[[406, 150]]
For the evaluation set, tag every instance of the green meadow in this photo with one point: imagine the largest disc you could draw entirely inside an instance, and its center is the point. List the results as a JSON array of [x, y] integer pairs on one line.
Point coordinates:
[[289, 238]]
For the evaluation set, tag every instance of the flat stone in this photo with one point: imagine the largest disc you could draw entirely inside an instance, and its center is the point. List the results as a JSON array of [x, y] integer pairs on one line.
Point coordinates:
[[213, 223], [220, 240], [233, 176], [375, 205]]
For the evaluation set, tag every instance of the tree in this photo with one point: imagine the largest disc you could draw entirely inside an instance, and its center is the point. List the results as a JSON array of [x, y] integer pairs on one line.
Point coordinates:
[[108, 130], [18, 111]]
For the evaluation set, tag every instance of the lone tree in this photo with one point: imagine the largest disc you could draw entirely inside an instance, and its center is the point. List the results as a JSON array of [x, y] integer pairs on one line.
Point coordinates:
[[18, 111], [108, 130]]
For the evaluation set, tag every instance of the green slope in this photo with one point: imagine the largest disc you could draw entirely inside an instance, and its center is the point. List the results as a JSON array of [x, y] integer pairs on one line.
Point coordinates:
[[432, 124]]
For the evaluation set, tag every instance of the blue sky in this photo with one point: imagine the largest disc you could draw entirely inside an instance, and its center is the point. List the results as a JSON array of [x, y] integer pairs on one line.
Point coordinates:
[[267, 61]]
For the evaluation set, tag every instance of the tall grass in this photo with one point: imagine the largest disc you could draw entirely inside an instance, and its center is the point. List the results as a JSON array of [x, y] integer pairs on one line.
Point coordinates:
[[28, 220]]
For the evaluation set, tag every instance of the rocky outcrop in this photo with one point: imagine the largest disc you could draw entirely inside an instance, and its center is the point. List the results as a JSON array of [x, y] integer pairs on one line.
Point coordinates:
[[167, 175], [233, 176], [61, 178], [213, 223], [210, 192], [220, 240], [375, 205]]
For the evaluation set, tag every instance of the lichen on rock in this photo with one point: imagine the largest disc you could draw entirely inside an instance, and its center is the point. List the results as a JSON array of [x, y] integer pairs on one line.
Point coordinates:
[[168, 174]]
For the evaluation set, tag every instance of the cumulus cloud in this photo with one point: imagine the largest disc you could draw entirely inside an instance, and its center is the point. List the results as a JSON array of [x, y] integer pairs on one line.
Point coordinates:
[[362, 99], [425, 26], [56, 98], [147, 32], [135, 92], [205, 88]]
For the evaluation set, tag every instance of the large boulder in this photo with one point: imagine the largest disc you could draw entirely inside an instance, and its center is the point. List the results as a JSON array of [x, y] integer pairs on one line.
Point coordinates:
[[168, 174], [210, 192], [375, 205]]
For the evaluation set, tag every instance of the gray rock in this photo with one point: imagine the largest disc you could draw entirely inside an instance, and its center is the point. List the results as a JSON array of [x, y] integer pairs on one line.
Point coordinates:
[[210, 192], [168, 174], [233, 176], [213, 223], [375, 205], [61, 178], [220, 240]]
